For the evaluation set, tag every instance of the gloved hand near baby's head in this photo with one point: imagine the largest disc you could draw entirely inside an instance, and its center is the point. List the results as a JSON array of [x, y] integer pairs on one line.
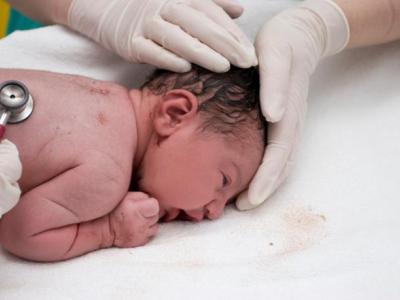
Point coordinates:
[[289, 48], [10, 172], [169, 34]]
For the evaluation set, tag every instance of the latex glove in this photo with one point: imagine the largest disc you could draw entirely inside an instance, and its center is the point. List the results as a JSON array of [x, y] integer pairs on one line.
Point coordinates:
[[10, 172], [169, 34], [289, 47]]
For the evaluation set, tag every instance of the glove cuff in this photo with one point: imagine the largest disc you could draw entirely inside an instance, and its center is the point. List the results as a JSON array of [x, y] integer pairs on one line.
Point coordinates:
[[335, 21]]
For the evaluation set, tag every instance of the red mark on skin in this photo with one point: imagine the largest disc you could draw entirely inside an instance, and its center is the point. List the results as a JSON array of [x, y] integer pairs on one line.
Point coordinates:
[[102, 119], [2, 131], [100, 91]]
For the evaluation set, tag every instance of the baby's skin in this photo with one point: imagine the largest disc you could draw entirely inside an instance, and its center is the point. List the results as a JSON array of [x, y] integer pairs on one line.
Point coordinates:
[[82, 145], [77, 153]]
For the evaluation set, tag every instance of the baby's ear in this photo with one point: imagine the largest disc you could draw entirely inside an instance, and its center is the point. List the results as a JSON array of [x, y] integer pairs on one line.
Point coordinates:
[[176, 108]]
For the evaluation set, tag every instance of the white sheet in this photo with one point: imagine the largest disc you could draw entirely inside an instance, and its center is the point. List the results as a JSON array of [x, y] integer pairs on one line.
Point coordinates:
[[331, 232]]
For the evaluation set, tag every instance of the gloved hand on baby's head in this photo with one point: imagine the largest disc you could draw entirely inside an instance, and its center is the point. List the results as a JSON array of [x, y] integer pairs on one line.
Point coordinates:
[[210, 140]]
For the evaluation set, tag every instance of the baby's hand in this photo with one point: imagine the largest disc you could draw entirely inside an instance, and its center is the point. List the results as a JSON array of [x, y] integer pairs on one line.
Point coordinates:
[[134, 220]]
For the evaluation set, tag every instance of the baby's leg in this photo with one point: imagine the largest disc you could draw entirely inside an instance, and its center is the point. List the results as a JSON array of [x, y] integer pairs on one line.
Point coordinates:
[[48, 219]]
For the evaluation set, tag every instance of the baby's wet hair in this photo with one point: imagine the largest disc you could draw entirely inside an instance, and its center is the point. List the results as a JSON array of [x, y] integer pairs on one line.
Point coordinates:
[[228, 102]]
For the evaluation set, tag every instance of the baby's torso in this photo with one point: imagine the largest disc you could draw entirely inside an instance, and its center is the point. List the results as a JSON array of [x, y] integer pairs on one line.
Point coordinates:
[[73, 117]]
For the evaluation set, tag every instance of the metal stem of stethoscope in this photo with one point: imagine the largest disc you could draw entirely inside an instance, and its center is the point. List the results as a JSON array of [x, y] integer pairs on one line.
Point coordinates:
[[16, 104]]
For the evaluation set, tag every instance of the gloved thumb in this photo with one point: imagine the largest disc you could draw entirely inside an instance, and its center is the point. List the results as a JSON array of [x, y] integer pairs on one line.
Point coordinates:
[[10, 172], [9, 195], [232, 7], [275, 58], [242, 201]]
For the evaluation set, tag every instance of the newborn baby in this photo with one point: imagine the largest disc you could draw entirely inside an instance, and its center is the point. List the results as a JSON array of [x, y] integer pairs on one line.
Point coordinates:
[[102, 165]]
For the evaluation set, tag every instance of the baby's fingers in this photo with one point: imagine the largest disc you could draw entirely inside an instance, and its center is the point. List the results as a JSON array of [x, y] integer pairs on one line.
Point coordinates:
[[148, 208], [152, 230]]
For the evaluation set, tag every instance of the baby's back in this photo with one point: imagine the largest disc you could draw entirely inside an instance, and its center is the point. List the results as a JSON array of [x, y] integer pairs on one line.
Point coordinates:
[[74, 119]]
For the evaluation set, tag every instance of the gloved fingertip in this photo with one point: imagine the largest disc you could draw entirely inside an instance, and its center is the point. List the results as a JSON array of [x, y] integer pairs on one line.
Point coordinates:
[[274, 116], [184, 67], [222, 68], [232, 7], [180, 66], [247, 60], [236, 10], [259, 195], [255, 62], [272, 110], [243, 203], [244, 64]]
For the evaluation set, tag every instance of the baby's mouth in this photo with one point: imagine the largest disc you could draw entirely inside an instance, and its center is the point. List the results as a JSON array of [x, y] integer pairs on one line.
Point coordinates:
[[162, 212], [193, 217], [170, 215], [180, 215]]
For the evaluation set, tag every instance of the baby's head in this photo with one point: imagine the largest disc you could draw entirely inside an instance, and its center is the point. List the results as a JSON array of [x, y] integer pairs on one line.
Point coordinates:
[[207, 141]]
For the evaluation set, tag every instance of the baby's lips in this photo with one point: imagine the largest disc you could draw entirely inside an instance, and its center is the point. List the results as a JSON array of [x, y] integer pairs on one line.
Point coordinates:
[[162, 212], [171, 215], [195, 216], [149, 208]]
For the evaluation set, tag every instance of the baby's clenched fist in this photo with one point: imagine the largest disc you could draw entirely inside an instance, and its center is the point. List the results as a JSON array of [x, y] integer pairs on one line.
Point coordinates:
[[134, 221]]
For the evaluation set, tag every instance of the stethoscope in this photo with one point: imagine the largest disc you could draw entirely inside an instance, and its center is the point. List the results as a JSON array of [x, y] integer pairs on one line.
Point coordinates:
[[16, 104]]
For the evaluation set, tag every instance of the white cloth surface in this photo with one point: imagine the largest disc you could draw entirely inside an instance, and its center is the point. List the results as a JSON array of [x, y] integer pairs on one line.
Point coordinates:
[[332, 231]]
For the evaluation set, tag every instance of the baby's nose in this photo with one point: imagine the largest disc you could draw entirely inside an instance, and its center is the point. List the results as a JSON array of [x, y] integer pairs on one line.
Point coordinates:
[[215, 209]]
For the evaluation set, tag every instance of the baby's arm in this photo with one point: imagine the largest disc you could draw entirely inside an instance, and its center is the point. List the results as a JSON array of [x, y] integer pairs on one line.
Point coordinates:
[[45, 224], [132, 223]]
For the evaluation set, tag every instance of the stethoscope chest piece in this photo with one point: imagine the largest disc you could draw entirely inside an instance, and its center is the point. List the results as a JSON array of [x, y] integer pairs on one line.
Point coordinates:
[[15, 101]]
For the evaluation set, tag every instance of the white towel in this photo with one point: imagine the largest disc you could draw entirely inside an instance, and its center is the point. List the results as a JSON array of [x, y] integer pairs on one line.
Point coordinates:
[[331, 232]]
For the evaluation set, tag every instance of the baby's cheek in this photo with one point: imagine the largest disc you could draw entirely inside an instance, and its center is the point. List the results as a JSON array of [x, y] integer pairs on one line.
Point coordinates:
[[187, 195], [189, 190]]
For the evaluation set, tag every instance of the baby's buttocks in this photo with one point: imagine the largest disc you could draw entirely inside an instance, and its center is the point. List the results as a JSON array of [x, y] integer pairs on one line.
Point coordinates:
[[73, 115]]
